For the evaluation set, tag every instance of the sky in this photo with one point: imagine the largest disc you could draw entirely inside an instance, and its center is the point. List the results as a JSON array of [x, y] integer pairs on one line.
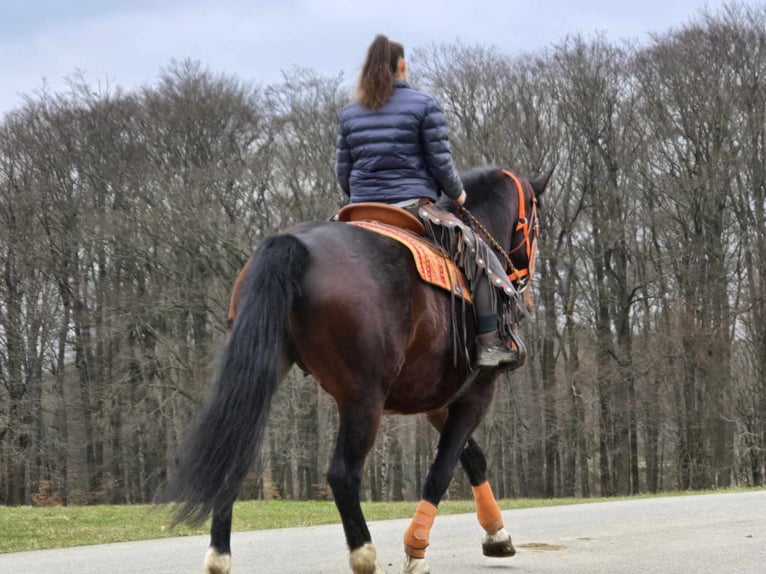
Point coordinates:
[[128, 42]]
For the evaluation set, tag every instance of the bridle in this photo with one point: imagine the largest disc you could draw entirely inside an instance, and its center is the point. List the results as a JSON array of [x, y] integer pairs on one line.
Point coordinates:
[[528, 226]]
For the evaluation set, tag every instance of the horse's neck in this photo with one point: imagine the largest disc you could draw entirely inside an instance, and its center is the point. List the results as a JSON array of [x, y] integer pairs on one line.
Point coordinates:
[[497, 218]]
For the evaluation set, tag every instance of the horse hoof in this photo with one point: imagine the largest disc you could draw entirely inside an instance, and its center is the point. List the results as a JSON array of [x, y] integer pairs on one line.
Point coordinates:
[[217, 563], [498, 545], [364, 560], [414, 566]]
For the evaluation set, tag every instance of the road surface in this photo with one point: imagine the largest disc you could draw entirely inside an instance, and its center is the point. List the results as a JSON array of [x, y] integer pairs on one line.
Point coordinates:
[[717, 533]]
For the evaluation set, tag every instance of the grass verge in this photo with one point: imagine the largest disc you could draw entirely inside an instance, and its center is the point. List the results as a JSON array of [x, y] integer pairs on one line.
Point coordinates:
[[36, 528]]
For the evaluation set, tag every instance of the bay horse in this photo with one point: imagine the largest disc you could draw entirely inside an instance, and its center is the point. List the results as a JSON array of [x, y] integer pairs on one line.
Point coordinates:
[[347, 305]]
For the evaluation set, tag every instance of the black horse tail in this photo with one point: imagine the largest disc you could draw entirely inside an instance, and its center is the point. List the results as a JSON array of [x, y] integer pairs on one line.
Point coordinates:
[[223, 440]]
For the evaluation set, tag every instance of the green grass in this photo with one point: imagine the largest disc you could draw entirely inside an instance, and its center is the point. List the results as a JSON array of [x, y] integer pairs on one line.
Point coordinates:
[[37, 528]]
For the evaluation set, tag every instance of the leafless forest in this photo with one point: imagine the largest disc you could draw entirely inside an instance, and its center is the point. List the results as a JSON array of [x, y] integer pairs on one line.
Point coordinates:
[[126, 215]]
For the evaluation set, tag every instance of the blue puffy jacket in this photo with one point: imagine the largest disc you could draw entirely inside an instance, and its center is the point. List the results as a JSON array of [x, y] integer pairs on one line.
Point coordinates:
[[397, 152]]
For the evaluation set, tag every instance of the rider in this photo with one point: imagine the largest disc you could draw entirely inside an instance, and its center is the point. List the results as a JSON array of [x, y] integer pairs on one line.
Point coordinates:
[[393, 148]]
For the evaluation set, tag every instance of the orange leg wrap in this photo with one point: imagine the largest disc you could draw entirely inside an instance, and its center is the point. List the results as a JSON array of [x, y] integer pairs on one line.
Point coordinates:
[[416, 537], [487, 509]]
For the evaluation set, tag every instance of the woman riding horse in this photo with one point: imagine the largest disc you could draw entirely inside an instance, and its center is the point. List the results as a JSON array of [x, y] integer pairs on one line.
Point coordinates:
[[349, 307]]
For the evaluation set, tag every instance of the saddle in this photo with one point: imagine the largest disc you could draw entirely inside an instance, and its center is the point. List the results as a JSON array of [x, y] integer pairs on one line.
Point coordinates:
[[451, 253], [383, 213], [434, 265]]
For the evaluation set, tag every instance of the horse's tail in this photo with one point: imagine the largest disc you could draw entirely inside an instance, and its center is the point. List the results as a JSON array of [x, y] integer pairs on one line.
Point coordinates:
[[224, 438]]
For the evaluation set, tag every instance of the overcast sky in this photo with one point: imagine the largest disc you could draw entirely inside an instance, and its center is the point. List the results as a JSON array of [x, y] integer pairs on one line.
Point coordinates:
[[127, 42]]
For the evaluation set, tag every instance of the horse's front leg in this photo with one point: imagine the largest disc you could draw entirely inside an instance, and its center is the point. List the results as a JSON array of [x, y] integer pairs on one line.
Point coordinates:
[[497, 541], [218, 557], [356, 434], [462, 419]]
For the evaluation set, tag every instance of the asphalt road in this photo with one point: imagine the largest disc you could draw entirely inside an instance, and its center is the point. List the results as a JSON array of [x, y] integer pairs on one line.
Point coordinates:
[[716, 533]]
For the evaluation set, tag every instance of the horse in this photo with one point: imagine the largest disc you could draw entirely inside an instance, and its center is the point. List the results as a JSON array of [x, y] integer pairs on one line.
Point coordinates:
[[348, 307]]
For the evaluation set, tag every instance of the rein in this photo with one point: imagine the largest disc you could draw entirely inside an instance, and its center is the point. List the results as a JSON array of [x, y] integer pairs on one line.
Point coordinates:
[[520, 277]]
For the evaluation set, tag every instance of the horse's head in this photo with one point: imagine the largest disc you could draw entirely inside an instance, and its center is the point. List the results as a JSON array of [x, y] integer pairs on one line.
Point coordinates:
[[506, 205]]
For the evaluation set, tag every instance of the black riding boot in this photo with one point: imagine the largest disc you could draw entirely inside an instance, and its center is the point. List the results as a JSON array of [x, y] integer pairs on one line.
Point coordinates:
[[491, 350]]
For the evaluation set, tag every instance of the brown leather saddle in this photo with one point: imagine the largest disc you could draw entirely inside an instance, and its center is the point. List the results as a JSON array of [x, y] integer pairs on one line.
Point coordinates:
[[433, 264], [432, 216], [383, 213]]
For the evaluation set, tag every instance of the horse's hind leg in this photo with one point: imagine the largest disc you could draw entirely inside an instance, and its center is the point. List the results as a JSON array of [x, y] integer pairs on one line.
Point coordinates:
[[356, 434], [218, 557], [497, 541]]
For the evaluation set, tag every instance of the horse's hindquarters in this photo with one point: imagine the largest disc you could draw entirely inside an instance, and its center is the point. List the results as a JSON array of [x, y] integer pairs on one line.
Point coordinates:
[[351, 324]]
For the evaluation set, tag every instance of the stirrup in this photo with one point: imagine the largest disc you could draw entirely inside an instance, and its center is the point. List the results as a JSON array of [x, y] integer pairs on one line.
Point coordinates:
[[495, 353], [521, 349], [492, 352], [497, 356]]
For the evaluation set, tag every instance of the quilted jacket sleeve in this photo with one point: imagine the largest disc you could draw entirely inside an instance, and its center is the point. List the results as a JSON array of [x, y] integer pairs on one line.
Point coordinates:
[[342, 160], [437, 151]]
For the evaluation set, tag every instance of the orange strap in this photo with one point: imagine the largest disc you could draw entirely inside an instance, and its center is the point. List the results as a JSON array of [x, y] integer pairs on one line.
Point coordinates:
[[487, 509], [522, 207], [524, 224], [416, 537]]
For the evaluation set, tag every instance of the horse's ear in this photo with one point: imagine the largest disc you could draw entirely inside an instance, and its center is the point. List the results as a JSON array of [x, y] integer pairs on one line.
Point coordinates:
[[541, 182]]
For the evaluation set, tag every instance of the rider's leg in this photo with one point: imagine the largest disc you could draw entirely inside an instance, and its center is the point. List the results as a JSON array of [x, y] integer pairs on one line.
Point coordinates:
[[491, 351]]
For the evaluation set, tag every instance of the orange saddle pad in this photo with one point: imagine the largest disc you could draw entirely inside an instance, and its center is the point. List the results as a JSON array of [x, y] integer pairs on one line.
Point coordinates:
[[433, 265]]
